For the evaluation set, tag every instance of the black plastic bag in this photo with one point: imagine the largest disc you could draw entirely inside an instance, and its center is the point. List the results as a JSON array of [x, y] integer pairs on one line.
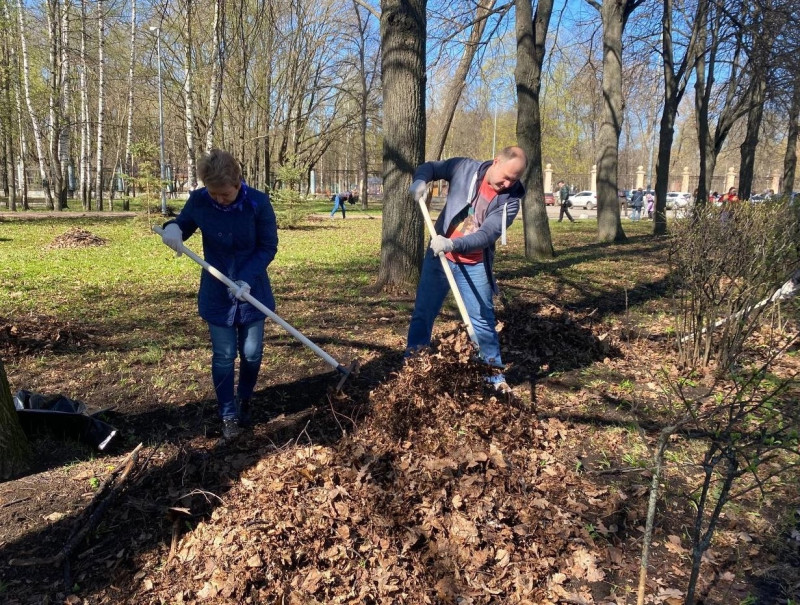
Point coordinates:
[[61, 417]]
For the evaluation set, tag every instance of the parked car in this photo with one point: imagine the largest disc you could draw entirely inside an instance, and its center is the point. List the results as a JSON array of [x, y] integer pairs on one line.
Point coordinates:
[[678, 199], [584, 199], [549, 199]]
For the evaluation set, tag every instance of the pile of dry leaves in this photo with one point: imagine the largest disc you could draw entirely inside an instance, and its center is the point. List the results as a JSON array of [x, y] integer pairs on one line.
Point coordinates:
[[444, 494], [77, 238]]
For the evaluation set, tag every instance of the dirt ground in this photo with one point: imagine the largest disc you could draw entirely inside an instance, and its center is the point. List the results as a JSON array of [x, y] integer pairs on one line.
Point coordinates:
[[413, 484]]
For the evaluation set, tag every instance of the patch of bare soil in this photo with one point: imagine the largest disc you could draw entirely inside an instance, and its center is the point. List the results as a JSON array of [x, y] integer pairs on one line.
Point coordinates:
[[76, 237]]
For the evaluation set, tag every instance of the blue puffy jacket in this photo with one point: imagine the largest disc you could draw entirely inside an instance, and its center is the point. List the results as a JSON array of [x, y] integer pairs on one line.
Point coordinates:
[[464, 176], [241, 242]]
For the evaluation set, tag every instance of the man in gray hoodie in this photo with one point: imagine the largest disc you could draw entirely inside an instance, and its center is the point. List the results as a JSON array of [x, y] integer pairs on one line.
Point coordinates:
[[482, 201]]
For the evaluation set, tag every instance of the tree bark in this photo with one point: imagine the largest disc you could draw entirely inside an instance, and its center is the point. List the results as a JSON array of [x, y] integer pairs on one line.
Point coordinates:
[[14, 449], [790, 158], [37, 132], [403, 38], [188, 93], [64, 136], [531, 33], [85, 168], [675, 83], [215, 83], [101, 99], [13, 66], [609, 224], [129, 129]]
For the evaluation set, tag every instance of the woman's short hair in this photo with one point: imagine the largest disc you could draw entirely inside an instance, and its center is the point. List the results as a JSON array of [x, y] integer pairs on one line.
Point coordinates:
[[219, 168]]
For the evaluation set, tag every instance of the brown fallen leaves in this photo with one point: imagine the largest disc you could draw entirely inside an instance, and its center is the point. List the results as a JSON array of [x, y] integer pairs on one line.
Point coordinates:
[[442, 495]]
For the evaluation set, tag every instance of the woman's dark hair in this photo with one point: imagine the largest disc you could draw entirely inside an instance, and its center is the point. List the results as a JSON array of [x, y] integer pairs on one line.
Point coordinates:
[[219, 168]]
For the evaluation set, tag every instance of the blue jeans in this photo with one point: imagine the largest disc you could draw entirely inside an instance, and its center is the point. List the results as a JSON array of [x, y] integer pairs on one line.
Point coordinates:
[[476, 290], [336, 205], [246, 341], [636, 214]]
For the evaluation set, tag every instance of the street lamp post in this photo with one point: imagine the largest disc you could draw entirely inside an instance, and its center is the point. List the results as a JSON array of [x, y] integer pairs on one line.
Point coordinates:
[[161, 121]]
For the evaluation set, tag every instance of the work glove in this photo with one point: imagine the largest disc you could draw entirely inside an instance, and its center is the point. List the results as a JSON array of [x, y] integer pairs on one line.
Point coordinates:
[[172, 236], [240, 289], [418, 189], [440, 244]]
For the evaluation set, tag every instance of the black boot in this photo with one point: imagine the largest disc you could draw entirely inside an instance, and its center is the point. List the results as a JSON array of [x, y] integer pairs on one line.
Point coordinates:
[[243, 410]]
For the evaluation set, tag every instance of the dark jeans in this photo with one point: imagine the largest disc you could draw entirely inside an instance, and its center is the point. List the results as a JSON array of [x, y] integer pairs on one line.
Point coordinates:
[[228, 342], [565, 211]]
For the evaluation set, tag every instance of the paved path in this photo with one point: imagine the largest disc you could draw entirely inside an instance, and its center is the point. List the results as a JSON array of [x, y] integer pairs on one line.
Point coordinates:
[[32, 215]]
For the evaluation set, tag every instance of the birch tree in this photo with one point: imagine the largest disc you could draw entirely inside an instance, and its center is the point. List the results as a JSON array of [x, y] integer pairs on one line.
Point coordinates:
[[215, 82], [85, 169], [37, 132], [188, 95], [64, 136], [101, 98], [131, 72], [7, 115], [14, 70], [531, 31]]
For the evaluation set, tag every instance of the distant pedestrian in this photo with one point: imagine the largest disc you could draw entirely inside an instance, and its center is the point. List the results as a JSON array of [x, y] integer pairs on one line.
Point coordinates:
[[650, 200], [563, 196], [637, 202], [339, 201]]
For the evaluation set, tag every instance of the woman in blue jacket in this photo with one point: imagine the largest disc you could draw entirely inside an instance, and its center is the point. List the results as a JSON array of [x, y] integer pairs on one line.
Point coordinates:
[[483, 199], [240, 238]]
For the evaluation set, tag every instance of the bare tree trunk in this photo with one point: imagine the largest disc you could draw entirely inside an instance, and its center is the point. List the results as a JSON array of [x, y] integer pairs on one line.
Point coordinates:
[[37, 134], [7, 70], [403, 37], [64, 126], [531, 36], [188, 94], [459, 80], [747, 150], [14, 449], [13, 67], [614, 16], [85, 169], [363, 103], [675, 83], [101, 98], [54, 100], [790, 159], [215, 85], [129, 130]]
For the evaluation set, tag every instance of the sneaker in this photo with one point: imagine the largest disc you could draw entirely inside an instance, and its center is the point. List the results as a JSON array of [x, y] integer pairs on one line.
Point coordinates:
[[498, 383], [230, 429]]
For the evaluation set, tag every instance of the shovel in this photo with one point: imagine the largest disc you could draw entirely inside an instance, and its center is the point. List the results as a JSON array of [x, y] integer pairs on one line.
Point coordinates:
[[449, 273], [345, 371]]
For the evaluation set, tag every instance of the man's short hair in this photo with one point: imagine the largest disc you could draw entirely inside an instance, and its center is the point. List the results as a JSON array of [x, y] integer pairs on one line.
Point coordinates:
[[512, 152]]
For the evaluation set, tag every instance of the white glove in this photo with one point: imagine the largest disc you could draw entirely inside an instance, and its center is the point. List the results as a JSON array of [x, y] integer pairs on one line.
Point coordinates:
[[418, 189], [172, 236], [242, 288], [440, 244]]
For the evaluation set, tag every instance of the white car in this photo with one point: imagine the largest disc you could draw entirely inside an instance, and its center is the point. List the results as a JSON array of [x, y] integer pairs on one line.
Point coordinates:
[[584, 199], [677, 199]]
